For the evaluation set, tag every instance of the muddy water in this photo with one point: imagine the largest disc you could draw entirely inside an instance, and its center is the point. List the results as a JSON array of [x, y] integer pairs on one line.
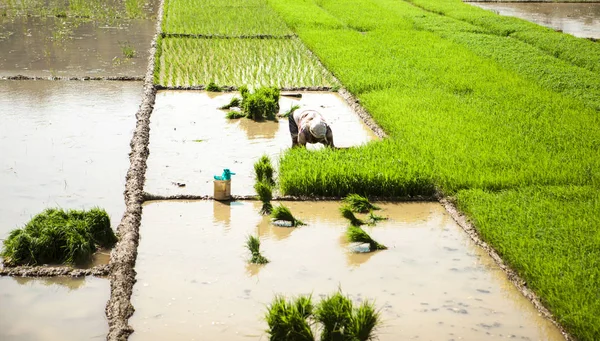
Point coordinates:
[[64, 144], [432, 284], [46, 47], [191, 140], [53, 308], [578, 19]]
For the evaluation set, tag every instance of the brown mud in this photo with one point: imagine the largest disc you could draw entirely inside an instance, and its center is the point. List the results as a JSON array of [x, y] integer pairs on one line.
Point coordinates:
[[579, 19], [57, 308], [123, 256], [91, 123], [66, 47], [192, 140], [511, 275], [432, 282]]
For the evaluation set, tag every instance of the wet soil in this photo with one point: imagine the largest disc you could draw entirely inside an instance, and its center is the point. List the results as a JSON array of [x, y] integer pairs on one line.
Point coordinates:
[[432, 282], [67, 47], [579, 19], [57, 308], [191, 140], [64, 144]]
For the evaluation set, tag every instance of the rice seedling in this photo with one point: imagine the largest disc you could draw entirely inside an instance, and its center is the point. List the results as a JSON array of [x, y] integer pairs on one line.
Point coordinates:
[[283, 213], [348, 214], [373, 218], [57, 236], [253, 245], [263, 170], [232, 115], [256, 63], [291, 111], [364, 323], [262, 104], [356, 234], [234, 103], [264, 191], [222, 19], [335, 315], [288, 320], [359, 204], [212, 87]]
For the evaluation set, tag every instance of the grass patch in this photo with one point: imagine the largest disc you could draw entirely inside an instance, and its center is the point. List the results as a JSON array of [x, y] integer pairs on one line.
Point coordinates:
[[56, 236], [235, 62], [283, 213], [551, 237], [253, 245], [356, 234], [359, 204]]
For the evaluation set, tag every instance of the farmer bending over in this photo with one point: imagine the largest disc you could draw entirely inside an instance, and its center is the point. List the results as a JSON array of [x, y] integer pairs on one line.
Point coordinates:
[[309, 127]]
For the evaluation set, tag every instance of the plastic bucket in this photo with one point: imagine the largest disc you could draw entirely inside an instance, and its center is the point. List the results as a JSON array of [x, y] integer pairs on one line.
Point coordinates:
[[222, 189]]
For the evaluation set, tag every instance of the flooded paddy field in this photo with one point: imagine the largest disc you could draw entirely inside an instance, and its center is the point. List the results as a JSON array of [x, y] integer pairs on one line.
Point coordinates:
[[191, 139], [53, 308], [432, 283], [579, 19], [71, 47], [64, 144]]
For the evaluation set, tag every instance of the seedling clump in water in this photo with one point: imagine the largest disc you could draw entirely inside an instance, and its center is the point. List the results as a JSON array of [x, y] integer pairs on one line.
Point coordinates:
[[262, 104], [373, 218], [213, 87], [346, 211], [58, 236], [335, 316], [356, 234], [253, 245], [283, 213], [265, 195], [263, 170], [359, 204]]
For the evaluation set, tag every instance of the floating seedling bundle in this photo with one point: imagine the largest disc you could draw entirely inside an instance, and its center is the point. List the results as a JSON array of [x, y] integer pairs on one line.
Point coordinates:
[[334, 318], [356, 234], [359, 204], [58, 236], [263, 170]]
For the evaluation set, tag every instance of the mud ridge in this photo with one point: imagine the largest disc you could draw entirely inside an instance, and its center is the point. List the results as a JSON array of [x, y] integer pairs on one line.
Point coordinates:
[[123, 256], [512, 276], [46, 271], [154, 197], [84, 78], [221, 36], [354, 103], [231, 88]]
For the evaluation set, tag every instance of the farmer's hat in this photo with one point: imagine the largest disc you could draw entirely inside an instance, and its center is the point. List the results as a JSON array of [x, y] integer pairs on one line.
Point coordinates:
[[318, 128]]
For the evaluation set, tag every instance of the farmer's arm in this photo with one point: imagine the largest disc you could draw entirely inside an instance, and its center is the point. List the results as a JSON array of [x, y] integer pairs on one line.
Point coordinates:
[[302, 136], [329, 136]]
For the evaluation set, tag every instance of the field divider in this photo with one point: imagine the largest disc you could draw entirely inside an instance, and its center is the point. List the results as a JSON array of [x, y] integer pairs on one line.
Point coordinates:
[[66, 78], [154, 197], [219, 36], [521, 285], [233, 88], [54, 271], [123, 256]]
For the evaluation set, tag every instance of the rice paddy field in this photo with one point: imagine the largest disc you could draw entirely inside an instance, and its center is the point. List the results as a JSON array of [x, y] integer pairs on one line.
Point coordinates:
[[234, 62], [479, 107], [88, 9]]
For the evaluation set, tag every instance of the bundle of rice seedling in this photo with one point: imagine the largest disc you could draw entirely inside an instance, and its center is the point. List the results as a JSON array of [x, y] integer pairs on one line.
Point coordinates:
[[234, 103], [335, 315], [288, 321], [265, 195], [262, 104], [291, 111], [283, 213], [213, 87], [359, 204], [232, 115], [347, 213], [356, 234], [58, 236], [364, 322], [253, 245], [263, 170]]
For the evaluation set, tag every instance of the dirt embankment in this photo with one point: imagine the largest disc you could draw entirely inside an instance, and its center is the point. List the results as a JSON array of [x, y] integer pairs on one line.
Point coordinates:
[[123, 256]]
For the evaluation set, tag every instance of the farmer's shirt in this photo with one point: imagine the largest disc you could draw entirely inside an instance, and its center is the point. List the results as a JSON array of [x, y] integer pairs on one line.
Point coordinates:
[[302, 132]]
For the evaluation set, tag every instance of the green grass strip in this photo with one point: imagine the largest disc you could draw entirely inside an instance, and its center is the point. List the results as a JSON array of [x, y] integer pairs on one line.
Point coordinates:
[[551, 237], [237, 62], [194, 17]]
